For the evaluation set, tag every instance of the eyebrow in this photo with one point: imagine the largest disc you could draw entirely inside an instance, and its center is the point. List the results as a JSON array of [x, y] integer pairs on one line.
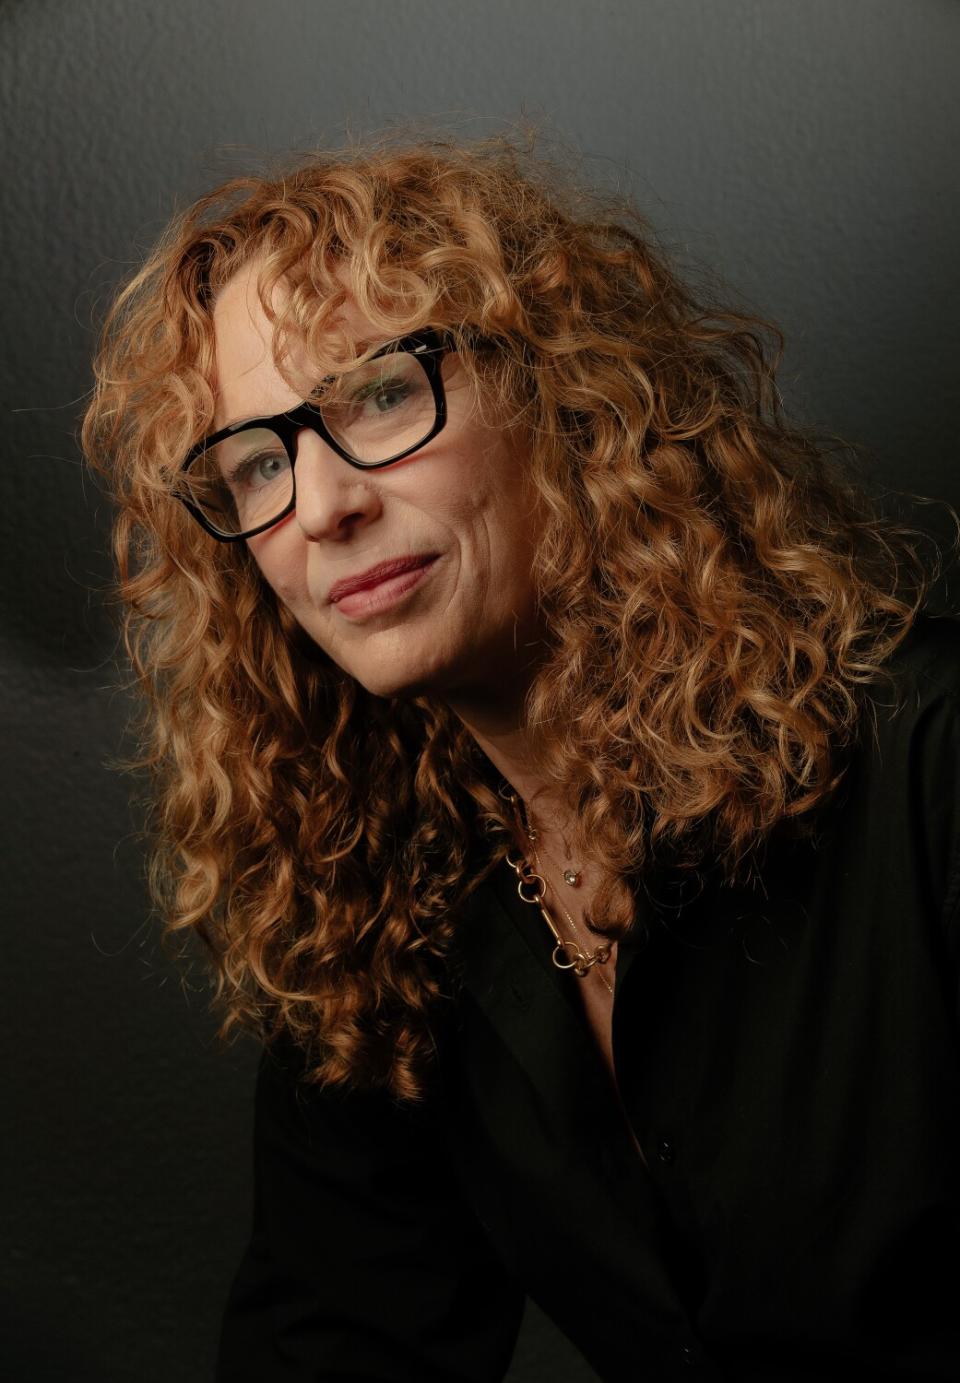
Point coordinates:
[[255, 418], [361, 345]]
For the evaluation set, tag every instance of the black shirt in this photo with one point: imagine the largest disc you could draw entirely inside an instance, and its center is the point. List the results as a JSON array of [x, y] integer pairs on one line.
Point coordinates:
[[788, 1056]]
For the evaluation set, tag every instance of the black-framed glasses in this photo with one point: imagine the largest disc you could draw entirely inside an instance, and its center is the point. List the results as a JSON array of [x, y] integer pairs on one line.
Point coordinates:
[[241, 480]]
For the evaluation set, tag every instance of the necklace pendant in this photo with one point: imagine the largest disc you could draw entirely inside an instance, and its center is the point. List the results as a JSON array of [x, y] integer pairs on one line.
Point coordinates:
[[571, 877]]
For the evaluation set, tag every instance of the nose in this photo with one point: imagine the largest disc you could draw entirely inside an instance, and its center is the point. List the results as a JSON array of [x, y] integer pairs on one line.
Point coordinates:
[[333, 497]]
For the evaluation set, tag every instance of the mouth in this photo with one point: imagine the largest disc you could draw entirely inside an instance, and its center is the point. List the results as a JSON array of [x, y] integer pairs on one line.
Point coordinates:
[[380, 587]]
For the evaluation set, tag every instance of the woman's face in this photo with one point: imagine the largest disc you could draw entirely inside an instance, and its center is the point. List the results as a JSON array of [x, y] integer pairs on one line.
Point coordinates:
[[459, 624]]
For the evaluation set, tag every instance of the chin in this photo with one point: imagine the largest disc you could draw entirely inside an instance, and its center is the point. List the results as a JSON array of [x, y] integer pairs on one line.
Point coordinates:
[[407, 689], [404, 683], [381, 682]]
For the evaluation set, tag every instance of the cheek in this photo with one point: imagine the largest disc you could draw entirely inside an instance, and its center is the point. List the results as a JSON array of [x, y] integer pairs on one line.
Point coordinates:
[[511, 528], [278, 565]]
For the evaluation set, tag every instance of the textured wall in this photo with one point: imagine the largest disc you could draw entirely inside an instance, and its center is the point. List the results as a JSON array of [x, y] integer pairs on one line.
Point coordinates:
[[808, 151]]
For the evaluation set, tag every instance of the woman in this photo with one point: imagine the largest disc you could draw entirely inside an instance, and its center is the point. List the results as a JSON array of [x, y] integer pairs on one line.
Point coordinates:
[[563, 774]]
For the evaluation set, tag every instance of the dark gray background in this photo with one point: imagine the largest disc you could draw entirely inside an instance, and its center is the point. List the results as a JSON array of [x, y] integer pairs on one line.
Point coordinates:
[[806, 150]]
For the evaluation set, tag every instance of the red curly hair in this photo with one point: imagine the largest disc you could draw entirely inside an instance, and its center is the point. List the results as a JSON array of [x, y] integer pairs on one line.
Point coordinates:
[[716, 588]]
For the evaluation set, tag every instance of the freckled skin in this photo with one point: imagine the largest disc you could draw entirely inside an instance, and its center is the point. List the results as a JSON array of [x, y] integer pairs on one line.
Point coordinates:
[[469, 626]]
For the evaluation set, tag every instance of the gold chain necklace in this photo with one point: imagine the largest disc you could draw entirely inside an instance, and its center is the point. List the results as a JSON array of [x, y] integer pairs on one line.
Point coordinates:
[[576, 930], [532, 888]]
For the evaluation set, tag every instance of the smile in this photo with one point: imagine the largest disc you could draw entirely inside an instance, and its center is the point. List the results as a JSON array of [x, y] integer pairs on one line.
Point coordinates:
[[382, 595]]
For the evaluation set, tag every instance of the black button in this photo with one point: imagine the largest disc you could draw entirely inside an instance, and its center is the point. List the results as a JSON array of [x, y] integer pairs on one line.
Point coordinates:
[[521, 995], [689, 1355], [665, 1150]]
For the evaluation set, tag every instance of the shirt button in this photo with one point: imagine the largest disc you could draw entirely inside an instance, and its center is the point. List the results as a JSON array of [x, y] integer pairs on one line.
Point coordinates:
[[521, 996], [665, 1150], [688, 1355]]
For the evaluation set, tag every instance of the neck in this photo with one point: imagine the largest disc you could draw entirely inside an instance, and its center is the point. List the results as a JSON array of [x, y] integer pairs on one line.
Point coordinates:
[[498, 731]]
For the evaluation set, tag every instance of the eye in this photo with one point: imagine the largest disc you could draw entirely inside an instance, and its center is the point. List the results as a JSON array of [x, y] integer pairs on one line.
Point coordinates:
[[260, 469], [384, 394]]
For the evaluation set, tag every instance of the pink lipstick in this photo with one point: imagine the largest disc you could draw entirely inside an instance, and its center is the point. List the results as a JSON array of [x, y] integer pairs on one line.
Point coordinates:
[[379, 587]]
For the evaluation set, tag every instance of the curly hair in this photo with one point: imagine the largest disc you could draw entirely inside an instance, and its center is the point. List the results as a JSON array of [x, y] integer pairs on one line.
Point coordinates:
[[717, 590]]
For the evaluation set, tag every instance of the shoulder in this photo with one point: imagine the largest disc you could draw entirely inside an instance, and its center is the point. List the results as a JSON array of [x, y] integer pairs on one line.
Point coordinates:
[[920, 676], [928, 659], [913, 712], [905, 779]]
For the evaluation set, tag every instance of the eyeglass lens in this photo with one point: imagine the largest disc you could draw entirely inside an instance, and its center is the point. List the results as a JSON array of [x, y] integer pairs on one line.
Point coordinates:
[[377, 411]]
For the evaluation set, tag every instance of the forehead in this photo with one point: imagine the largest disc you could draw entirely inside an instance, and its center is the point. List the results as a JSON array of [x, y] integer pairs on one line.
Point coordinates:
[[248, 383]]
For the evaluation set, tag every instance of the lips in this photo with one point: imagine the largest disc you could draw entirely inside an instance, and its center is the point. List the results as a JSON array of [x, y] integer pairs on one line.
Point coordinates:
[[383, 571]]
